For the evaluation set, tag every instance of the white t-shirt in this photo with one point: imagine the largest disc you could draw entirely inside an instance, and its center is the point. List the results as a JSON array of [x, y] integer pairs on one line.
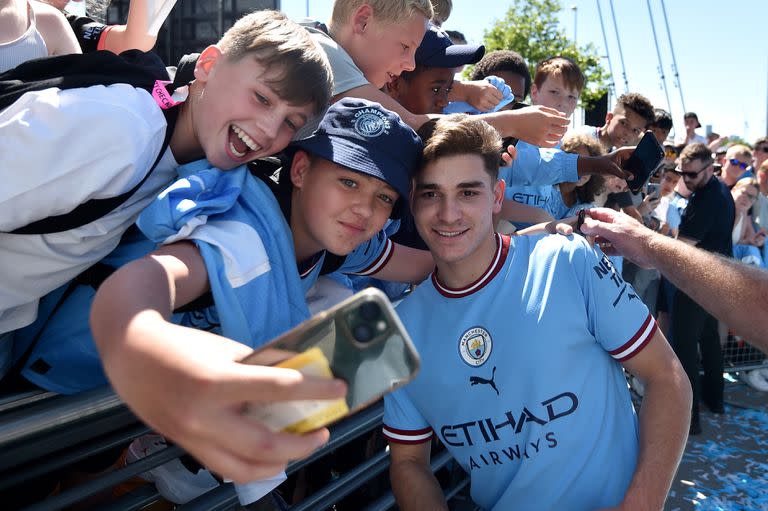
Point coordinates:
[[696, 138], [58, 149], [346, 74]]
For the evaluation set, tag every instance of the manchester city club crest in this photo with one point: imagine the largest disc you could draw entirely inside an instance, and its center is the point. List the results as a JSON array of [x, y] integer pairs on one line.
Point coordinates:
[[475, 346], [371, 122]]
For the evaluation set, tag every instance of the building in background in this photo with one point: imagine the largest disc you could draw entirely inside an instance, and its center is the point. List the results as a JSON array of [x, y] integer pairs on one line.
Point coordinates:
[[193, 24]]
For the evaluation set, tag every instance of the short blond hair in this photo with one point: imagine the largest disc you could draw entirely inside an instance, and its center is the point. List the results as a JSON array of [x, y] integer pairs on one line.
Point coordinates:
[[388, 11], [739, 150], [442, 10], [303, 75]]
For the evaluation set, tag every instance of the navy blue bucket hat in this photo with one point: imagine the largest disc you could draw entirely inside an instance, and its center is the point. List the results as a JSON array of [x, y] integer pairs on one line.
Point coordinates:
[[365, 137]]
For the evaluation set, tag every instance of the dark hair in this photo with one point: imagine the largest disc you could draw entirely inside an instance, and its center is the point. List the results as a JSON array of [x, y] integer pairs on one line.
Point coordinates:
[[638, 104], [760, 140], [407, 75], [587, 192], [460, 134], [661, 119], [503, 60], [456, 36]]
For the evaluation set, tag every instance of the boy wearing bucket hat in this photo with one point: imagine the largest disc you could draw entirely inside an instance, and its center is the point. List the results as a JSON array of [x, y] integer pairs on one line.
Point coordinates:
[[256, 250]]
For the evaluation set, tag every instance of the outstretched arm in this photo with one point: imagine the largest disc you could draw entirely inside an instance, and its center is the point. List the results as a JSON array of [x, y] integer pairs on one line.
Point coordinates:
[[407, 264], [537, 125], [694, 271], [141, 27], [186, 383]]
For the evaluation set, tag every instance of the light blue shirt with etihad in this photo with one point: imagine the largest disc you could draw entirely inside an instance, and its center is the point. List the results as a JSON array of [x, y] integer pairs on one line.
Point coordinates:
[[533, 173], [521, 377], [238, 226]]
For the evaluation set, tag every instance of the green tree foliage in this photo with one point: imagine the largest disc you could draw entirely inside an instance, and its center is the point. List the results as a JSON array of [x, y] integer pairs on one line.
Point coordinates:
[[532, 29]]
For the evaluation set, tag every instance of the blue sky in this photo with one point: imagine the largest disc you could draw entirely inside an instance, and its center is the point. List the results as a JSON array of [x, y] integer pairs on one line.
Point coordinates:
[[721, 50]]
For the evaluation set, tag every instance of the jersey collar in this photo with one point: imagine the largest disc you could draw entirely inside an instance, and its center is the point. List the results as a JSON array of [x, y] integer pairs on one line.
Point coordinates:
[[502, 248]]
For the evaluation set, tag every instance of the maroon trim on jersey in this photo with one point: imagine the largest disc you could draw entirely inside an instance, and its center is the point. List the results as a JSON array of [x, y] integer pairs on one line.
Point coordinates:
[[408, 436], [502, 248], [381, 261], [638, 341], [305, 273]]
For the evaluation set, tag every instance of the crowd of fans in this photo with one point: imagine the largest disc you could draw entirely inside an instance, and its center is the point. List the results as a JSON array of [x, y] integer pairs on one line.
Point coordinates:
[[208, 255]]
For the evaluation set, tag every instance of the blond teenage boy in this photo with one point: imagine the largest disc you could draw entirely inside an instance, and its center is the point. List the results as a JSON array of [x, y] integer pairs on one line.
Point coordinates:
[[557, 83], [371, 42]]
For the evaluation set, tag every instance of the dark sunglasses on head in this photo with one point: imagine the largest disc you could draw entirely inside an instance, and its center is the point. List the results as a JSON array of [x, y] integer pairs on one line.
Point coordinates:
[[738, 163], [763, 148]]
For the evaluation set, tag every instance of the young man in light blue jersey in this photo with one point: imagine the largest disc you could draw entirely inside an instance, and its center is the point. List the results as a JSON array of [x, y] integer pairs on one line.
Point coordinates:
[[522, 342]]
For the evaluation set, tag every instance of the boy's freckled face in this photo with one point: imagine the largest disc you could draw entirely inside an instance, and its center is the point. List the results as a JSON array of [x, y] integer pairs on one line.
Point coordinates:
[[387, 49], [338, 209], [554, 93], [239, 117]]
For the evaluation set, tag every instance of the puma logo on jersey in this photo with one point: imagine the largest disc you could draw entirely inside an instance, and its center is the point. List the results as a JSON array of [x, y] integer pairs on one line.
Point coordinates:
[[477, 380], [632, 296]]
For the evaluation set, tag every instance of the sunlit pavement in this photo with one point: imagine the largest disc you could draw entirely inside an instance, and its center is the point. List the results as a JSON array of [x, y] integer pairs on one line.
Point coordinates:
[[726, 467]]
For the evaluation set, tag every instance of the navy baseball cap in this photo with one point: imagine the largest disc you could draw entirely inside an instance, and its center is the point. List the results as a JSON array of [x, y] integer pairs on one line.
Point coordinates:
[[366, 137], [437, 50]]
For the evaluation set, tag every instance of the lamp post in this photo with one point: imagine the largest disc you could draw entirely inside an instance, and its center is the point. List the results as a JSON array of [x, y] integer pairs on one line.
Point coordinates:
[[575, 10]]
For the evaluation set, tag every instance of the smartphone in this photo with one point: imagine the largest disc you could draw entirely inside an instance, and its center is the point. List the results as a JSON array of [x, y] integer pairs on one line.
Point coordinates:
[[644, 161], [360, 340], [653, 189]]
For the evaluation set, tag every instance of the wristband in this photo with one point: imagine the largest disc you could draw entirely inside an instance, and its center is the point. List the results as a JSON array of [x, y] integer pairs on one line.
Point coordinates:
[[580, 216]]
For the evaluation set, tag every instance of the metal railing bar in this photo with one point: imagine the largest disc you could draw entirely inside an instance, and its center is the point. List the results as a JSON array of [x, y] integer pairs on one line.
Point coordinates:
[[108, 480], [46, 465]]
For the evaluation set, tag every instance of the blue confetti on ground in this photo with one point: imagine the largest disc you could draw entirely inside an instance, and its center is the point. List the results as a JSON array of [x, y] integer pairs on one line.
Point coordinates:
[[729, 471]]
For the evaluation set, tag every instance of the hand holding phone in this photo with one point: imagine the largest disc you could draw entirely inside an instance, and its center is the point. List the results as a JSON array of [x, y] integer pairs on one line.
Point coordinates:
[[654, 190], [644, 161], [360, 340]]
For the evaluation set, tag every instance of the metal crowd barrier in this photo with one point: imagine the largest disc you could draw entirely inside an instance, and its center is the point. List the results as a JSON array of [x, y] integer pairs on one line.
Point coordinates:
[[42, 432], [739, 355]]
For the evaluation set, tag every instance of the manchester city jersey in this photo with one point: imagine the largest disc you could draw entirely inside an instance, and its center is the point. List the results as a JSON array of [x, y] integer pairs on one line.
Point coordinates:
[[519, 376]]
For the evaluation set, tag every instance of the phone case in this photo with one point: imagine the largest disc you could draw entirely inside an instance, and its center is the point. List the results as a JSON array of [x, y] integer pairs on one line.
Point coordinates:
[[360, 340], [644, 161]]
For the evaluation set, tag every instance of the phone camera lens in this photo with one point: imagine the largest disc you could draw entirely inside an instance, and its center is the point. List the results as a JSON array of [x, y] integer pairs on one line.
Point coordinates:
[[369, 311], [362, 332]]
